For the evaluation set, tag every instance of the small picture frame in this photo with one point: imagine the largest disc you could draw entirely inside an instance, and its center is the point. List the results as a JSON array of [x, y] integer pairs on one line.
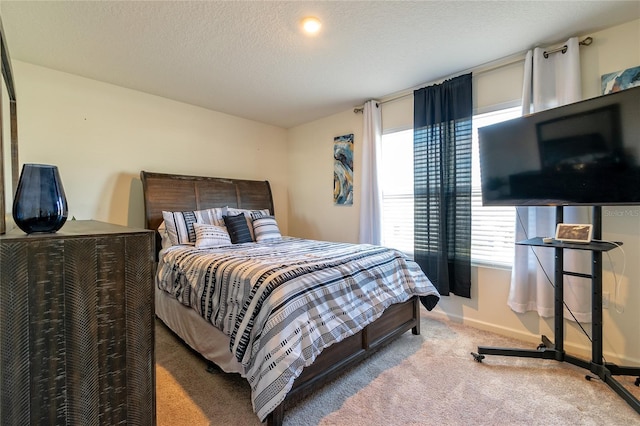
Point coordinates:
[[574, 233]]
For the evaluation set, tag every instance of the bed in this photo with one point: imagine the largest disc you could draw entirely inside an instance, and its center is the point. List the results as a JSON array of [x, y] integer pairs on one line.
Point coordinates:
[[240, 348]]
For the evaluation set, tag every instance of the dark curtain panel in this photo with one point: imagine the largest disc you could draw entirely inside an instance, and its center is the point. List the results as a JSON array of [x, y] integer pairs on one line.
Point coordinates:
[[442, 184]]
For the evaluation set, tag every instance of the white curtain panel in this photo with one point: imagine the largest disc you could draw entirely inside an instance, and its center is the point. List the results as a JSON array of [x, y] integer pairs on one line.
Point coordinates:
[[371, 204], [549, 82]]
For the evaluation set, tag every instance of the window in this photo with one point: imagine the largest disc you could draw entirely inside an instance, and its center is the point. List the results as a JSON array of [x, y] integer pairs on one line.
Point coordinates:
[[492, 228], [396, 184], [492, 241]]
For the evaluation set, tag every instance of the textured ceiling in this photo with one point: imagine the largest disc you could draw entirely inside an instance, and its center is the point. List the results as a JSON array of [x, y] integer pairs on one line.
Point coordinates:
[[249, 59]]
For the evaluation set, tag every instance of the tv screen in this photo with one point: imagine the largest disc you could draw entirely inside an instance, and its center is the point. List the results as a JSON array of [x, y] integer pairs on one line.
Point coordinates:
[[585, 153]]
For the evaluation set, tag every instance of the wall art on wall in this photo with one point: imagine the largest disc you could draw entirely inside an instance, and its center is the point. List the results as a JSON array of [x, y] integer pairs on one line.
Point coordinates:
[[343, 170], [620, 80]]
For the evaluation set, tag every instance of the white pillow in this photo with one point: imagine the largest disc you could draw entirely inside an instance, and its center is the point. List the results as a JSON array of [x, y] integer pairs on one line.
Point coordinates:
[[165, 241], [266, 229], [250, 215], [211, 236], [180, 224]]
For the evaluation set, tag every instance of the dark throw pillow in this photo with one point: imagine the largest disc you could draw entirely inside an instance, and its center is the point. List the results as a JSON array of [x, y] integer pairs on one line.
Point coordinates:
[[238, 229]]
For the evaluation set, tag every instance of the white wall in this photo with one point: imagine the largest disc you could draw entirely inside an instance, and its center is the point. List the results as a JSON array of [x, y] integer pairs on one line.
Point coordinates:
[[314, 216], [312, 212], [101, 136]]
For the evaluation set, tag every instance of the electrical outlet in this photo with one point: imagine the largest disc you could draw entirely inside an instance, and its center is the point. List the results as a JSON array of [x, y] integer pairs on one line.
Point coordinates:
[[605, 299]]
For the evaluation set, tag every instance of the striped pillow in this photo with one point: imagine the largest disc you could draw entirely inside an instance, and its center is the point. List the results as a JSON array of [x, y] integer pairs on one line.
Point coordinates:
[[266, 229], [249, 213], [211, 235], [238, 229], [180, 224]]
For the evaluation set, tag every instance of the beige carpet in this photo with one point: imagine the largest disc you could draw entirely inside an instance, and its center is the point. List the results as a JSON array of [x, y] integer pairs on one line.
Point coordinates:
[[429, 379]]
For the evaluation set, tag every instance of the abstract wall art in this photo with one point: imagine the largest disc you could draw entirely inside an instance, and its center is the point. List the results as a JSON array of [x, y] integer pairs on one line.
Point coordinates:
[[343, 170], [620, 80]]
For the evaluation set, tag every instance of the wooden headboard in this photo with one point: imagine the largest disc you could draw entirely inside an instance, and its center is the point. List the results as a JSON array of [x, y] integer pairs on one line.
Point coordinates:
[[186, 193]]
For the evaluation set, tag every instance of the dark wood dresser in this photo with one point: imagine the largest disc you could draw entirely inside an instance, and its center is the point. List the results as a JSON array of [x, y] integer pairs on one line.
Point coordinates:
[[76, 326]]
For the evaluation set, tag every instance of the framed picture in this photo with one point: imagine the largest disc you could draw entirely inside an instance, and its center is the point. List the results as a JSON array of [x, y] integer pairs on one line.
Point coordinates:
[[620, 80], [343, 170], [574, 233]]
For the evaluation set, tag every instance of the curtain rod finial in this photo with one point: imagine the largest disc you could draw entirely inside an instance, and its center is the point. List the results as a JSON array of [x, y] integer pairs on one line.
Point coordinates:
[[587, 41]]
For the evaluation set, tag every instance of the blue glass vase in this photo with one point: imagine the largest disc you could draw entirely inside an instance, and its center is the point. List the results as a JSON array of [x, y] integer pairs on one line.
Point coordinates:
[[40, 204]]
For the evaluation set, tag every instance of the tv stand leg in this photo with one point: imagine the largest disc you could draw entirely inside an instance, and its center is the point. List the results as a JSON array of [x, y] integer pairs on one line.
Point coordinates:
[[623, 392], [545, 350]]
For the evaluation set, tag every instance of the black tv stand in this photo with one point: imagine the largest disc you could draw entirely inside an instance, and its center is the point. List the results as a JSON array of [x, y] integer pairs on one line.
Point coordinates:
[[555, 350]]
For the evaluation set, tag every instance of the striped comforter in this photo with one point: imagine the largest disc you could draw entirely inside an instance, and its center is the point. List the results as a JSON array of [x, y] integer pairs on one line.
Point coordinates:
[[282, 302]]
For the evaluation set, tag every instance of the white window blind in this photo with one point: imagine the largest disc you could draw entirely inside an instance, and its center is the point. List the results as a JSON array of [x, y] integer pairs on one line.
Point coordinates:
[[396, 178], [492, 228], [492, 241]]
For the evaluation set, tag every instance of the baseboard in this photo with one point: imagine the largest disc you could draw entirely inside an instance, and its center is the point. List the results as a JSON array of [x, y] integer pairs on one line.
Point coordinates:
[[580, 351]]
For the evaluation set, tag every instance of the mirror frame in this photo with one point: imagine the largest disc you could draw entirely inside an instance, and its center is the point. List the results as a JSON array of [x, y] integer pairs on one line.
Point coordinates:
[[7, 75]]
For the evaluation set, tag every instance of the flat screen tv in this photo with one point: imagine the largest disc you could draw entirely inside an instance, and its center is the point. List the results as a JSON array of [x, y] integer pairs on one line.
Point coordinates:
[[585, 153]]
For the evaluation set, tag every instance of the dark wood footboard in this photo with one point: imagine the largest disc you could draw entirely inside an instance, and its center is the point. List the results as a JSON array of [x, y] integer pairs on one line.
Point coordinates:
[[335, 359]]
